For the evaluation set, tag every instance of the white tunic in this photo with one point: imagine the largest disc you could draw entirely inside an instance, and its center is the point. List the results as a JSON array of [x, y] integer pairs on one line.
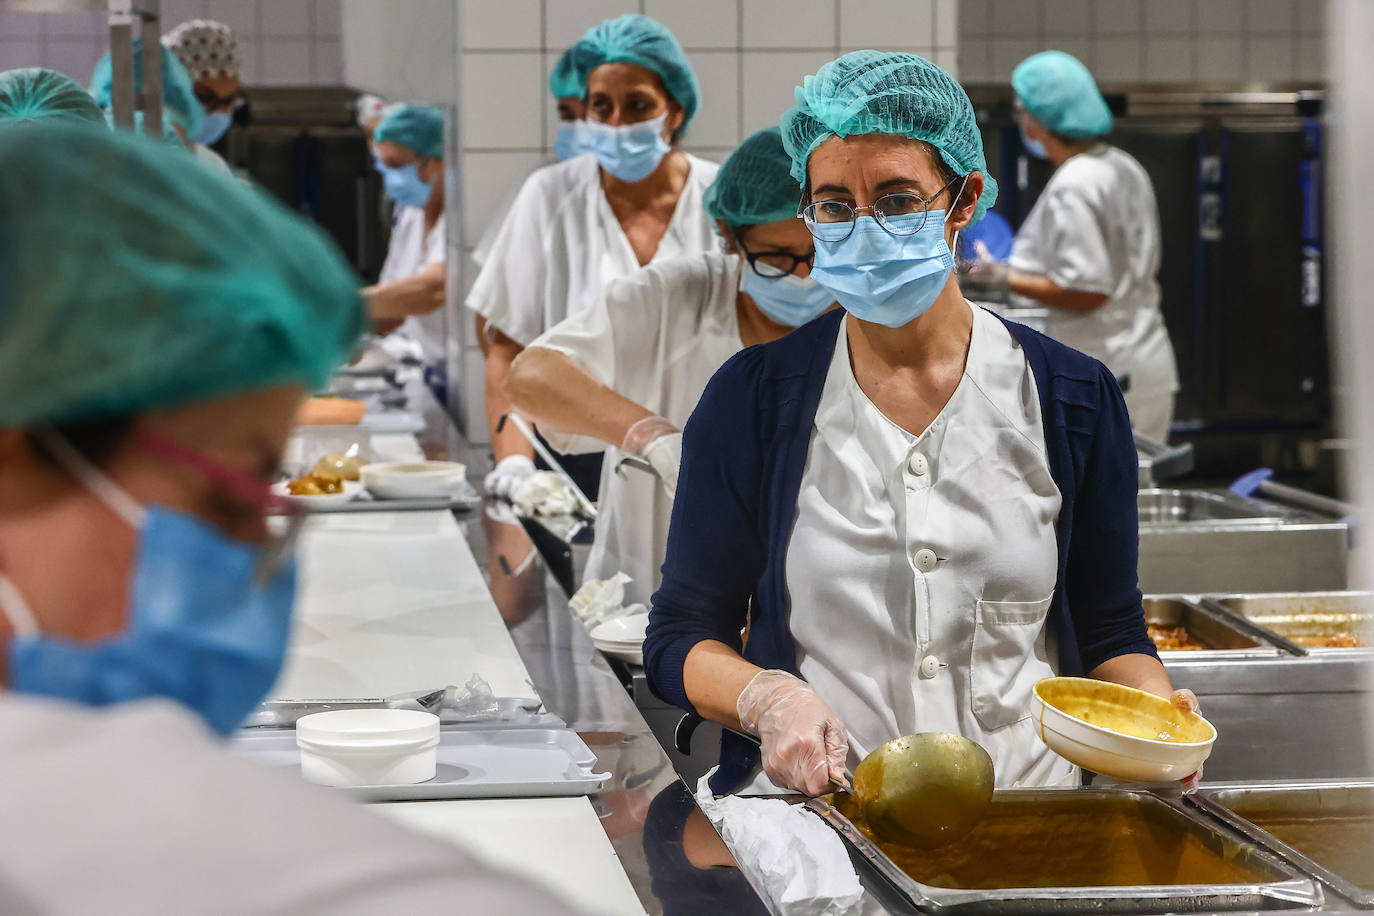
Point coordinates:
[[561, 244], [1096, 228], [409, 252], [921, 568], [655, 337]]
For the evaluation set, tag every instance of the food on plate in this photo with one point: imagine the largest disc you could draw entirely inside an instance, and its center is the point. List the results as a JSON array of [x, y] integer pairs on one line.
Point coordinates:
[[316, 483], [1173, 639], [330, 411], [345, 465]]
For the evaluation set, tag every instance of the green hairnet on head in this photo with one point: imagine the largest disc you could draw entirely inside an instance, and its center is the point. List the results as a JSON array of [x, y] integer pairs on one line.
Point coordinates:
[[644, 42], [169, 134], [754, 185], [137, 278], [34, 94], [418, 128], [879, 92], [1062, 95], [566, 81], [180, 104]]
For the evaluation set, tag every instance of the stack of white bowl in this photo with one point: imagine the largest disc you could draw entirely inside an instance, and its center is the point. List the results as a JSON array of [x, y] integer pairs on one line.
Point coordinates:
[[622, 637]]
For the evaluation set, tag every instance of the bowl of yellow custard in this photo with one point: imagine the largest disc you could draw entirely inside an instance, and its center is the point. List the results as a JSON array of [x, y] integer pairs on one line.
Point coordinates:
[[1120, 731]]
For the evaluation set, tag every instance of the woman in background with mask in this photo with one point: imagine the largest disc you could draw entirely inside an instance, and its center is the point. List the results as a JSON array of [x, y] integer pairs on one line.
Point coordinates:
[[210, 53], [627, 370], [578, 225], [918, 510]]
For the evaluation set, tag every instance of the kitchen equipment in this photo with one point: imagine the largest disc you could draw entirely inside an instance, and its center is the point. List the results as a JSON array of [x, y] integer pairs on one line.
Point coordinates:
[[1320, 622], [368, 747], [1159, 461], [511, 712], [1218, 636], [1078, 851], [1120, 731], [413, 479]]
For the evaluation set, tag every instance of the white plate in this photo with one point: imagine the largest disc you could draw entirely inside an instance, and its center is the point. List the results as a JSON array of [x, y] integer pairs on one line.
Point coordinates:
[[633, 656], [622, 630], [414, 479], [351, 488]]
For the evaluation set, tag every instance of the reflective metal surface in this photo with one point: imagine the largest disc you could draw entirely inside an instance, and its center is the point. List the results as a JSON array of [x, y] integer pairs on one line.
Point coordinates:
[[1218, 638], [924, 790], [1167, 506], [1323, 622]]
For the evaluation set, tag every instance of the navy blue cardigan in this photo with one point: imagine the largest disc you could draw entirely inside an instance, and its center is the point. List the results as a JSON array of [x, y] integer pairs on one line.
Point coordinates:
[[743, 455]]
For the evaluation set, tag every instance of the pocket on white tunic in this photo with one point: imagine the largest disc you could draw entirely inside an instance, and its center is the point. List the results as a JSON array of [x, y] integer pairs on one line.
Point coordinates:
[[1004, 665]]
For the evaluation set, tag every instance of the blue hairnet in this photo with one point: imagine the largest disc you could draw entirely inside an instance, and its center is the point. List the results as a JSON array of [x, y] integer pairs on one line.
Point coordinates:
[[180, 104], [566, 81], [138, 278], [880, 92], [754, 185], [33, 94], [418, 128], [1061, 94], [644, 42]]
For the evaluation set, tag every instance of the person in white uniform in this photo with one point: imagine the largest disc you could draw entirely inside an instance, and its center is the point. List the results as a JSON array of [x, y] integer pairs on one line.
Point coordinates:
[[1090, 247], [145, 605], [627, 371], [918, 510], [579, 224], [408, 297]]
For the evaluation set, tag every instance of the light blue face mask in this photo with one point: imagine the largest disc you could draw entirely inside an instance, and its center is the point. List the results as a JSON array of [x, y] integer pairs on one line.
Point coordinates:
[[630, 152], [570, 140], [404, 184], [208, 621], [1034, 147], [884, 278], [215, 126], [789, 299]]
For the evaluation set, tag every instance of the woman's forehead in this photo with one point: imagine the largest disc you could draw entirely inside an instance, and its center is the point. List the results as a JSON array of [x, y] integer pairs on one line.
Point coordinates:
[[871, 159], [620, 77]]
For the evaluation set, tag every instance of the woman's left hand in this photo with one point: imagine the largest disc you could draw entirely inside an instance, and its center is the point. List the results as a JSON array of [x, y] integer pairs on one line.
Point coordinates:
[[1186, 700]]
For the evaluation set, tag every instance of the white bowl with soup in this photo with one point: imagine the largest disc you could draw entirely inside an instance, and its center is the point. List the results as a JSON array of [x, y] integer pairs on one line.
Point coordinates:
[[414, 479]]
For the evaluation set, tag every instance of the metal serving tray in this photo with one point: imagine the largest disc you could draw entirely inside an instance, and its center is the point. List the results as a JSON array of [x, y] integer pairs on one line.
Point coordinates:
[[1299, 615], [1219, 638], [1175, 507], [1325, 829], [1083, 851]]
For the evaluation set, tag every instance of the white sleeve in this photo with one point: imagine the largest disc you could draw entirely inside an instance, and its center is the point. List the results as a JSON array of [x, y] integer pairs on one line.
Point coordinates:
[[1075, 247], [509, 292]]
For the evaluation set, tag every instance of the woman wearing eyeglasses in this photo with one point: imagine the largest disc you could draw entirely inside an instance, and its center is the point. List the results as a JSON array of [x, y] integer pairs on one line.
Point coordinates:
[[918, 509], [627, 371]]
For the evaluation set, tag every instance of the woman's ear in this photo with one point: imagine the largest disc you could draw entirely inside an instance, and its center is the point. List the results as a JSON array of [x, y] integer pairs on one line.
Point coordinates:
[[962, 209], [676, 117]]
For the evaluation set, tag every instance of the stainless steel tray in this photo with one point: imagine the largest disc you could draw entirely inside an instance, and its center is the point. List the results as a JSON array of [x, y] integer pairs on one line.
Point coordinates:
[[1324, 828], [473, 763], [1168, 839], [1299, 616], [1167, 506], [1220, 639]]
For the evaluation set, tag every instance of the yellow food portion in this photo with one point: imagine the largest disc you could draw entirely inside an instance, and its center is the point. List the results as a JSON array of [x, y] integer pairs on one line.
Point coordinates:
[[345, 466], [1124, 710], [316, 483]]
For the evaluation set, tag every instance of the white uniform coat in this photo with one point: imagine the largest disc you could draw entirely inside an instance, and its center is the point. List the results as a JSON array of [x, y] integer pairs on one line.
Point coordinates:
[[409, 252]]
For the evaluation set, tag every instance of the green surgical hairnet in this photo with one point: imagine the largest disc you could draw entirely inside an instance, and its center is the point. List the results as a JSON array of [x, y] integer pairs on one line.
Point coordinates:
[[180, 104], [566, 81], [1061, 94], [639, 40], [418, 128], [34, 94], [754, 185], [137, 278], [880, 92]]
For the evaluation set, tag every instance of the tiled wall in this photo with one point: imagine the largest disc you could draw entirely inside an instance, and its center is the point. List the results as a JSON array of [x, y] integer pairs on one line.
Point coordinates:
[[1227, 41], [284, 42]]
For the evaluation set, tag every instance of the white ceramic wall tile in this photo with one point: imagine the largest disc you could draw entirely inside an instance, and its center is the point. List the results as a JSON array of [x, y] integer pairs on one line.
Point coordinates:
[[499, 23], [699, 23], [1312, 18], [239, 15], [1005, 53], [886, 24], [27, 53], [328, 19], [973, 62], [1220, 59], [1068, 17], [787, 23], [490, 182], [1171, 17], [946, 23], [1269, 58], [1118, 60], [769, 80], [1310, 64], [948, 58], [285, 19], [1117, 17], [285, 62], [1079, 46], [175, 12], [1170, 60], [1221, 16], [75, 25], [1273, 16], [974, 18], [14, 26], [326, 62], [717, 121], [499, 92], [566, 20], [1014, 18], [73, 56]]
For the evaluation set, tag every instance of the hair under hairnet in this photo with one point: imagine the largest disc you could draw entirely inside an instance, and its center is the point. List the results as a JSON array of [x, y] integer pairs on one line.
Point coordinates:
[[419, 128], [880, 92], [35, 94], [566, 81], [137, 278], [1062, 95], [180, 104], [644, 42], [754, 184]]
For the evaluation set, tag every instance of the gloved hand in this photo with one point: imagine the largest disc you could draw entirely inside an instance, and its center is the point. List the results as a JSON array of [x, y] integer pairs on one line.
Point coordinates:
[[804, 742], [660, 443], [1185, 699], [508, 474], [991, 276]]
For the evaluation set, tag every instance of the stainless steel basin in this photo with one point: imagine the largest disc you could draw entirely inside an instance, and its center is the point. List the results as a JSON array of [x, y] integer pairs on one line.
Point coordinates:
[[1163, 507]]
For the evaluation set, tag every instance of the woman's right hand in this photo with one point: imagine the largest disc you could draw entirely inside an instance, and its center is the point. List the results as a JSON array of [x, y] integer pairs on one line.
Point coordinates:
[[804, 742]]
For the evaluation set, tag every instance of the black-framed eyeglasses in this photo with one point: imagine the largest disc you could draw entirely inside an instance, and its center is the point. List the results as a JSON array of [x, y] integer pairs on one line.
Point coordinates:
[[211, 101], [774, 264], [900, 213]]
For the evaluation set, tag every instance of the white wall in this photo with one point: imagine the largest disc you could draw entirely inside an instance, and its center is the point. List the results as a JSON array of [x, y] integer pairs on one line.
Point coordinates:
[[402, 49], [1228, 41]]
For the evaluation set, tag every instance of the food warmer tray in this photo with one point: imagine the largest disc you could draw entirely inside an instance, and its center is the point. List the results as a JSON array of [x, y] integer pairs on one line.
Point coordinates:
[[1220, 638], [1298, 615], [1326, 828], [472, 763], [1080, 827]]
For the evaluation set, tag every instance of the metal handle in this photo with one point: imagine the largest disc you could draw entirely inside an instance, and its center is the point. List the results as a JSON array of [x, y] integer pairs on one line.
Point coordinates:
[[1250, 628], [588, 507]]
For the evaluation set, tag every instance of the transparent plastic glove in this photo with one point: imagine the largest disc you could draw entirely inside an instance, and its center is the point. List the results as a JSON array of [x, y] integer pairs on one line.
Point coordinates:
[[993, 276], [1185, 699], [660, 443], [507, 475], [804, 742]]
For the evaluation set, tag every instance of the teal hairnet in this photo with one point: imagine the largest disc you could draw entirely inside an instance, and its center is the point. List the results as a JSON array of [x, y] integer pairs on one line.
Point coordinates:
[[136, 278], [880, 92], [639, 40], [566, 81], [179, 101], [754, 184], [1061, 94], [34, 94], [169, 134], [418, 128]]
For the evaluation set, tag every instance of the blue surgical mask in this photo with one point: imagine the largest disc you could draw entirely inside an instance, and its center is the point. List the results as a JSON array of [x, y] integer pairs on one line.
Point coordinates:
[[630, 152], [215, 126], [884, 278], [208, 621], [1034, 147], [570, 140], [405, 186], [789, 299]]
